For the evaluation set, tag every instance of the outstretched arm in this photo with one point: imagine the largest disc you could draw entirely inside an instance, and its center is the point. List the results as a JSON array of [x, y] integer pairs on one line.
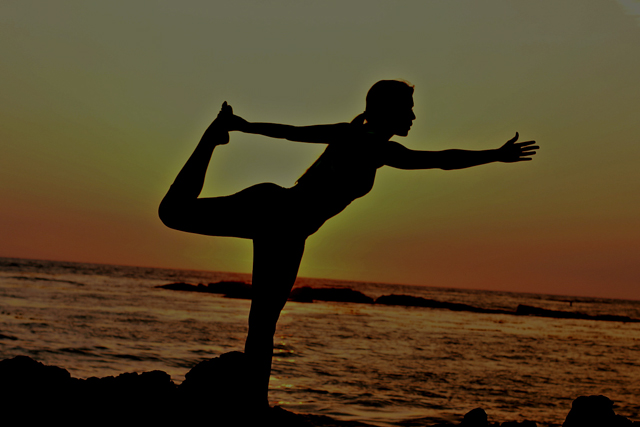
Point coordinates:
[[320, 134], [403, 158]]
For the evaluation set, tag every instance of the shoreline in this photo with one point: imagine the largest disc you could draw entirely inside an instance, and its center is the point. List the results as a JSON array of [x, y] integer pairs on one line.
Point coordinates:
[[212, 393]]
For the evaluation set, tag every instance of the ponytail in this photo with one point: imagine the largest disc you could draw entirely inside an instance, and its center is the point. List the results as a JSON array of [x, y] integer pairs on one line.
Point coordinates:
[[359, 119]]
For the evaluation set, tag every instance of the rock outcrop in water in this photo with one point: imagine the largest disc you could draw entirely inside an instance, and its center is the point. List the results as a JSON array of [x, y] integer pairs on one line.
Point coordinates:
[[212, 394], [411, 301], [242, 290], [229, 289], [308, 294]]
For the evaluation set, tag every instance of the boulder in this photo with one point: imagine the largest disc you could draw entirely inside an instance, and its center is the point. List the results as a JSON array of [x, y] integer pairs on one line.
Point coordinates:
[[475, 418], [214, 392], [594, 411], [23, 375], [302, 294]]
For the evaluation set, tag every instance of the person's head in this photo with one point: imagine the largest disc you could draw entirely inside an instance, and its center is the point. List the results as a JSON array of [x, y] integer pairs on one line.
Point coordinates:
[[390, 106]]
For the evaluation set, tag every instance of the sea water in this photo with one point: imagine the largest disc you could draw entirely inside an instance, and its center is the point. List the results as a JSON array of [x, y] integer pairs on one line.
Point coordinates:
[[372, 363]]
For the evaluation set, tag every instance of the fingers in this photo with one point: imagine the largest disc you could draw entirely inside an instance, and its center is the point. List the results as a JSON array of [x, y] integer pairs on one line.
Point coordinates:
[[514, 139], [525, 143], [527, 149]]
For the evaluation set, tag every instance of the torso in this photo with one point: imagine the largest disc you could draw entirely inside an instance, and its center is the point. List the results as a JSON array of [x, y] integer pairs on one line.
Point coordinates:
[[344, 172]]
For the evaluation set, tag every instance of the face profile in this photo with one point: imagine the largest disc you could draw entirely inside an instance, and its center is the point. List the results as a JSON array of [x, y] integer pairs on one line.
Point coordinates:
[[389, 108], [402, 117]]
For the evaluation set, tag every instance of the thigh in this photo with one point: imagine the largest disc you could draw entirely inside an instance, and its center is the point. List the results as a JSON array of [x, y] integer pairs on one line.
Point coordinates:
[[245, 214]]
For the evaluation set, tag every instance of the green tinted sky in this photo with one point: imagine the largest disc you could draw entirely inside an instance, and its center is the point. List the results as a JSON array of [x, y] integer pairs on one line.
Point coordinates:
[[102, 102]]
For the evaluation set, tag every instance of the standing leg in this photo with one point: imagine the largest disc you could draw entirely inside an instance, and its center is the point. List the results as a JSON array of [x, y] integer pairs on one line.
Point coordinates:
[[275, 267]]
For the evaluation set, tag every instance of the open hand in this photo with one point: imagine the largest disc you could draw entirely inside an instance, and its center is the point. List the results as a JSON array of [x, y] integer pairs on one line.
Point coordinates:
[[513, 151]]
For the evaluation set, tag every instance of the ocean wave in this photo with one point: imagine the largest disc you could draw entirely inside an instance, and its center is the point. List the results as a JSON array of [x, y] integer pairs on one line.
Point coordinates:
[[46, 279]]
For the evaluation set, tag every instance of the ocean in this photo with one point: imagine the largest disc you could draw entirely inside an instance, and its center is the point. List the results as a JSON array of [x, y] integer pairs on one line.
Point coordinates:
[[374, 363]]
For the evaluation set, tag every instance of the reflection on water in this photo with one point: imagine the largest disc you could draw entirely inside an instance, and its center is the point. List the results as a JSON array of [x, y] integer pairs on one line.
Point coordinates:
[[378, 364]]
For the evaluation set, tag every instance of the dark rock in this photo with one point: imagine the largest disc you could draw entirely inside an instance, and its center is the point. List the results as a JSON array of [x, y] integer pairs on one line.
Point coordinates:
[[229, 289], [214, 393], [475, 418], [220, 385], [179, 286], [302, 294], [411, 301], [22, 373], [33, 393], [340, 295], [229, 373], [594, 411], [620, 421], [239, 290], [525, 423], [522, 310], [309, 294], [26, 384], [242, 290]]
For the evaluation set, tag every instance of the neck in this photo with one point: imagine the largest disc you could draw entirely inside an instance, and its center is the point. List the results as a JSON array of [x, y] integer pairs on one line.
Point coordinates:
[[378, 132]]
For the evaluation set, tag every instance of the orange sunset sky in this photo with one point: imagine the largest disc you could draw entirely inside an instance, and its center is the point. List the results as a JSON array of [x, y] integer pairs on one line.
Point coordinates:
[[102, 103]]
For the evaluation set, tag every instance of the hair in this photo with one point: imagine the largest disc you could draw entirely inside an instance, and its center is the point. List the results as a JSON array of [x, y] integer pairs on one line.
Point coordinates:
[[381, 95]]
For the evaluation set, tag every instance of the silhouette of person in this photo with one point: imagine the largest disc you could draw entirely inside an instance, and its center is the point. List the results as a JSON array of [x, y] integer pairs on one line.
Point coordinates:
[[279, 220]]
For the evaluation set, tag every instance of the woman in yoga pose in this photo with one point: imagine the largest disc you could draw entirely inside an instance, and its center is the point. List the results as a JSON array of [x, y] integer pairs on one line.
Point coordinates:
[[279, 220]]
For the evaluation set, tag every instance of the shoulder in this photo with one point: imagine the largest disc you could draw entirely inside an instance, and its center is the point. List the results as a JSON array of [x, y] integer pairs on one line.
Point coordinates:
[[393, 147], [396, 155], [344, 133], [341, 132]]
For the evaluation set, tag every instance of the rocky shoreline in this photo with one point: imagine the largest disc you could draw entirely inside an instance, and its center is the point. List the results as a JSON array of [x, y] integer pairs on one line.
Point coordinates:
[[32, 393], [308, 294]]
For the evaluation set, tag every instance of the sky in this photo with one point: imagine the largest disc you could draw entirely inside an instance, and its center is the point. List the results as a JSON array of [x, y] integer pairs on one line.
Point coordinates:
[[102, 103]]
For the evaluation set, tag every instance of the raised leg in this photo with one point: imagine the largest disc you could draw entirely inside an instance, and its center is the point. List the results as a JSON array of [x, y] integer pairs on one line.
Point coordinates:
[[181, 199], [275, 268], [243, 214]]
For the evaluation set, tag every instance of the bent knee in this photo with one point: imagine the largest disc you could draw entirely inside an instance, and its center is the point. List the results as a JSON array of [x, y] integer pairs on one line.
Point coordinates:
[[170, 215]]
